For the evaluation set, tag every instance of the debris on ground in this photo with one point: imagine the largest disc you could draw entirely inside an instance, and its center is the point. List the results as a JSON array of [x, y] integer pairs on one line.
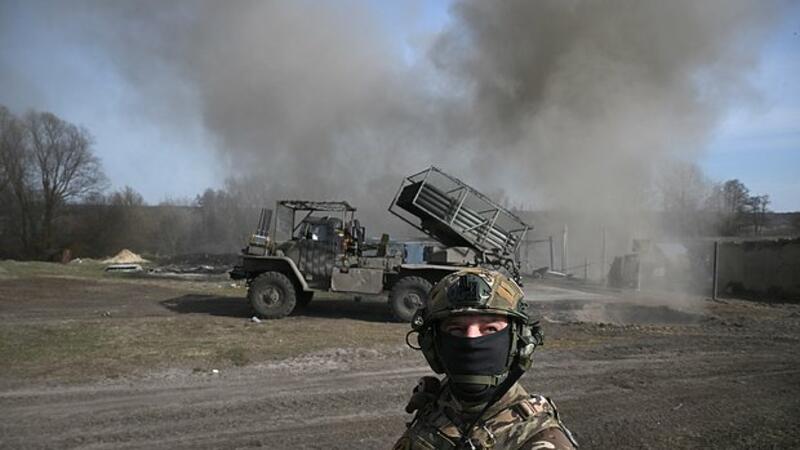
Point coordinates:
[[127, 268], [195, 269], [194, 266], [200, 259], [82, 260], [125, 256], [556, 274]]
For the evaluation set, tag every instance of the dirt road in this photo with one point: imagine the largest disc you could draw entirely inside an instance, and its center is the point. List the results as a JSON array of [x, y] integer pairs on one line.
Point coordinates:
[[726, 378]]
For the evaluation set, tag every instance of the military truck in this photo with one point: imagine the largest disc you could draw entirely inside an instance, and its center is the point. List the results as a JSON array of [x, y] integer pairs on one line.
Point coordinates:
[[306, 246]]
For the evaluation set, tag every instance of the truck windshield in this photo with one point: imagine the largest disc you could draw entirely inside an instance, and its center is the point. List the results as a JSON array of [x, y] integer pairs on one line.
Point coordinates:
[[315, 232]]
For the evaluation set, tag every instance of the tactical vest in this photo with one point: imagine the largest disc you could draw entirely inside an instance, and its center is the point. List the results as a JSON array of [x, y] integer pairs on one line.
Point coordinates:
[[434, 426]]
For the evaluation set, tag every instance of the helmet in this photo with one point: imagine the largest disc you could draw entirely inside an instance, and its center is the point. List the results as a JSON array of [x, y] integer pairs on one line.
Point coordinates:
[[477, 291]]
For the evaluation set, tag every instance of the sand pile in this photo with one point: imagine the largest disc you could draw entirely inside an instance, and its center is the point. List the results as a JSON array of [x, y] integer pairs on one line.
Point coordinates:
[[125, 256]]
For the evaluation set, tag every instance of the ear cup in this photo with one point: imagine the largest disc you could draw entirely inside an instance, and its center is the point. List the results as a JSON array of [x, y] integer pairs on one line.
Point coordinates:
[[526, 356], [530, 338], [426, 342], [515, 343]]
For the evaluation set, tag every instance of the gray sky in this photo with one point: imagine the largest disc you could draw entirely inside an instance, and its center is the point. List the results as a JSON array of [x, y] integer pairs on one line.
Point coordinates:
[[519, 100]]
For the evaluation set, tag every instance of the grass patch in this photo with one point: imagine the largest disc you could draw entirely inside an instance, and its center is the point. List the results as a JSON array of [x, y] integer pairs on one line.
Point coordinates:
[[95, 270], [238, 356], [95, 347], [103, 348], [30, 269], [44, 350], [41, 345]]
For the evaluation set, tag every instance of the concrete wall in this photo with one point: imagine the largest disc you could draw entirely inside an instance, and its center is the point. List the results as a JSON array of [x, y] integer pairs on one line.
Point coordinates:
[[769, 269]]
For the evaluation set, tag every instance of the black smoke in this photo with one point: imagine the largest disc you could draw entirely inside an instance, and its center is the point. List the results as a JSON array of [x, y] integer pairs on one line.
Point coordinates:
[[547, 104]]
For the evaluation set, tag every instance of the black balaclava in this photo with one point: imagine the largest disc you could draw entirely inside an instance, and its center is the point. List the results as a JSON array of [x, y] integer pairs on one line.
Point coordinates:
[[484, 355]]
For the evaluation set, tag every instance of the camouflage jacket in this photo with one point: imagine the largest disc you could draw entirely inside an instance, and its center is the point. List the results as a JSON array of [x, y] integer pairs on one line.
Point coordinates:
[[517, 421]]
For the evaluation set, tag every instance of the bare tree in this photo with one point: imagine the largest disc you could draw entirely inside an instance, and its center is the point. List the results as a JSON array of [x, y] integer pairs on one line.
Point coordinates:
[[730, 201], [736, 195], [126, 197], [758, 205], [16, 175], [223, 221], [5, 126], [66, 167], [683, 189], [737, 210]]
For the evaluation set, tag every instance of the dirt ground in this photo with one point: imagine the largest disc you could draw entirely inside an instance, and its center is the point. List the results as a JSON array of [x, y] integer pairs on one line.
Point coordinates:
[[99, 361]]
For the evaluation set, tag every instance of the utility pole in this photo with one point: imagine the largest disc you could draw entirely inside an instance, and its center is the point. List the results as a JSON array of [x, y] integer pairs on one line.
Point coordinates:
[[564, 265], [603, 271], [715, 271]]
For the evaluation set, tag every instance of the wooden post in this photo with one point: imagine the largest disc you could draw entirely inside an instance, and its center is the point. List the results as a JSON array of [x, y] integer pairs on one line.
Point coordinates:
[[564, 264], [552, 256], [603, 272], [715, 271]]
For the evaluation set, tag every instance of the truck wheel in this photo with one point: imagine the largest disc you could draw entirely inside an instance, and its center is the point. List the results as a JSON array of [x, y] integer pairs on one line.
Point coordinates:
[[272, 295], [407, 295]]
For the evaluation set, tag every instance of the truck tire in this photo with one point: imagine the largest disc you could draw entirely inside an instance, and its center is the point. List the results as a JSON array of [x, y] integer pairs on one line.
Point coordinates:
[[272, 295], [408, 294]]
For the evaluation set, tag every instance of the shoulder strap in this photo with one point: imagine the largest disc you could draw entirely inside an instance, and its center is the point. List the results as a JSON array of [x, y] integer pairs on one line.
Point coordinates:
[[538, 404]]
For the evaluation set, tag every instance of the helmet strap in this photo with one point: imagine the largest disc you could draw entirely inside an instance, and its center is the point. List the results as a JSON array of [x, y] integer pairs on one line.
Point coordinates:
[[488, 380], [513, 376]]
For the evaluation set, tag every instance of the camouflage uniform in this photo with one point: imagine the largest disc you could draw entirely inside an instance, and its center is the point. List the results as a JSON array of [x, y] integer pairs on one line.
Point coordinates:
[[517, 420]]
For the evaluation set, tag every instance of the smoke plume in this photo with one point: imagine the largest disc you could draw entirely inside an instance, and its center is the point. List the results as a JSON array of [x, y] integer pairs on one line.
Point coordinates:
[[550, 104], [578, 100]]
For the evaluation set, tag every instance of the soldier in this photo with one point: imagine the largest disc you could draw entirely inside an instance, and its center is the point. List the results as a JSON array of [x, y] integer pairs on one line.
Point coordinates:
[[475, 330]]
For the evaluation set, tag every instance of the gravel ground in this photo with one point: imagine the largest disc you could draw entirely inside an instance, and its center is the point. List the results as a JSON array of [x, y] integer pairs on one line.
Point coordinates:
[[624, 374]]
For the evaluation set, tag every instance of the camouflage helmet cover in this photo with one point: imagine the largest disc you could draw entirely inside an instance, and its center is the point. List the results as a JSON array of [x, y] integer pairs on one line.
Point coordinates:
[[475, 291]]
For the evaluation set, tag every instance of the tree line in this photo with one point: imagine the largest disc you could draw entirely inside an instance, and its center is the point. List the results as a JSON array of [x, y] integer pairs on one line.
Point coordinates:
[[693, 205], [54, 195]]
